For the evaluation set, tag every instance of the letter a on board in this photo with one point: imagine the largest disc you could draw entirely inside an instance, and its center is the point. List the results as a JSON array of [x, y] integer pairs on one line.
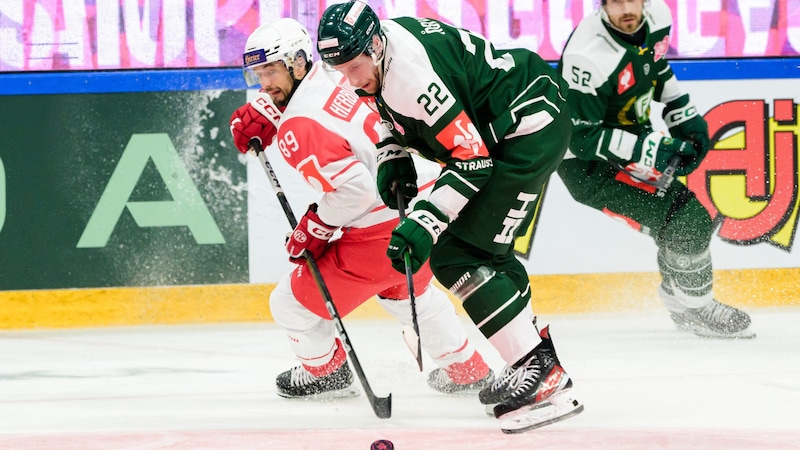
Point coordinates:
[[186, 208]]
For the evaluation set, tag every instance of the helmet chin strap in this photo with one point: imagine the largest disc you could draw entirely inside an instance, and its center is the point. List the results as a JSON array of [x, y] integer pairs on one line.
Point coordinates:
[[378, 59]]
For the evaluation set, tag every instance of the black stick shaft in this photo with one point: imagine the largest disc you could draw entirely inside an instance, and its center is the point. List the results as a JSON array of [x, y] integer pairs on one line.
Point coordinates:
[[381, 405], [668, 175], [401, 206]]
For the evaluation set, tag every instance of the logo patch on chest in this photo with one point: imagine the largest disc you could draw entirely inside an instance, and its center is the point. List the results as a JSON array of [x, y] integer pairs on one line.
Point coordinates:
[[625, 80], [342, 104], [661, 48]]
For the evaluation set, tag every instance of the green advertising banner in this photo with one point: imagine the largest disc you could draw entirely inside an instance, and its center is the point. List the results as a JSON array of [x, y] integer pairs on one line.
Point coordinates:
[[131, 189]]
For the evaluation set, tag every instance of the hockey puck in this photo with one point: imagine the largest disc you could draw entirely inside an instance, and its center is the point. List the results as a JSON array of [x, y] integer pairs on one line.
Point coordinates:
[[382, 444]]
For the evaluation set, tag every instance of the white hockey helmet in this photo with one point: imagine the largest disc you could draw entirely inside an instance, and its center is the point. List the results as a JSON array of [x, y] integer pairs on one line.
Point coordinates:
[[282, 40]]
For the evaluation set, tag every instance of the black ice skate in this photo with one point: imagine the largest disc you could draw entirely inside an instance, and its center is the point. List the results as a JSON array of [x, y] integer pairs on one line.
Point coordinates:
[[714, 320], [541, 392], [499, 390], [299, 383]]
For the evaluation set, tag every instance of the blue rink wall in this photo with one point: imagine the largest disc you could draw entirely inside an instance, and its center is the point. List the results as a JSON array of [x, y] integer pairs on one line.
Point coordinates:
[[27, 83], [146, 272]]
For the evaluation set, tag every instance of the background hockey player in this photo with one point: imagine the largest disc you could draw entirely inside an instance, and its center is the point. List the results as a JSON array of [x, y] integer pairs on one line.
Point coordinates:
[[329, 135], [615, 64], [497, 122]]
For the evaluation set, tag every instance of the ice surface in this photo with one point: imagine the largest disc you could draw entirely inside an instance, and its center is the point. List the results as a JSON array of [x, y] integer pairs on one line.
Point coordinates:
[[644, 386]]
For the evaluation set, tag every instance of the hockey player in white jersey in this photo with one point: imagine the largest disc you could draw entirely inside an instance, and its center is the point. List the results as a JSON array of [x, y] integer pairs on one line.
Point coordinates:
[[335, 140]]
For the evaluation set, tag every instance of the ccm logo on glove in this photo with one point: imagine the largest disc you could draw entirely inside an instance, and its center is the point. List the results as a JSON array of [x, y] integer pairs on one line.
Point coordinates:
[[257, 119], [311, 235]]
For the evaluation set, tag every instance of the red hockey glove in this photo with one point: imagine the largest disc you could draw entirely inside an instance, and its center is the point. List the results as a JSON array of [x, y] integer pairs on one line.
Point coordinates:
[[311, 236], [257, 119], [246, 124]]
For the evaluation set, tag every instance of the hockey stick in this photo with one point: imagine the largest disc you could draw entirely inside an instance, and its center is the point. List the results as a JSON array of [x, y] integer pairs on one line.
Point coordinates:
[[663, 182], [667, 176], [410, 336], [381, 405]]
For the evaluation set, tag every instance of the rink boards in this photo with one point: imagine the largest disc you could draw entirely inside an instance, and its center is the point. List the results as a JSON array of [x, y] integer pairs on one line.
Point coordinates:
[[553, 294], [77, 252]]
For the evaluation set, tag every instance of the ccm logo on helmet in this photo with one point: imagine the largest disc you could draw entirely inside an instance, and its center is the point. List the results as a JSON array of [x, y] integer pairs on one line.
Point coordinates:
[[369, 29]]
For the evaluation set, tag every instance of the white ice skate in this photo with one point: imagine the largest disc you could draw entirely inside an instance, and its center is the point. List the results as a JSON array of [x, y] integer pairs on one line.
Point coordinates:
[[714, 320], [299, 383]]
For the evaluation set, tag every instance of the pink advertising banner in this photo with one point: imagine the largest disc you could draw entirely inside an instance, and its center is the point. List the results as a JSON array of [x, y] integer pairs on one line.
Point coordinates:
[[45, 35]]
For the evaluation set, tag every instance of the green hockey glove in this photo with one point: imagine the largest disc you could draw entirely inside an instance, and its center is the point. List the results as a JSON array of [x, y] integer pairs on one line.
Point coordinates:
[[653, 151], [686, 124], [417, 234], [395, 165]]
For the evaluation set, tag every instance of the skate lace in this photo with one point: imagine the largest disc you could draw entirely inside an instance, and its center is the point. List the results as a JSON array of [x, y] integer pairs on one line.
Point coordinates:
[[301, 377], [503, 380], [523, 379], [442, 379], [717, 312]]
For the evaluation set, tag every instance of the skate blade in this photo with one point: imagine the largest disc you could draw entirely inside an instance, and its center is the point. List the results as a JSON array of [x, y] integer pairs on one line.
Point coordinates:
[[559, 407], [706, 334], [461, 392], [348, 392], [489, 410]]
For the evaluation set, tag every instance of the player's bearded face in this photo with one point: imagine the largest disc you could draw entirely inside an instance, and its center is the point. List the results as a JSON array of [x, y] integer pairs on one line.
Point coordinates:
[[276, 81], [361, 73], [625, 15]]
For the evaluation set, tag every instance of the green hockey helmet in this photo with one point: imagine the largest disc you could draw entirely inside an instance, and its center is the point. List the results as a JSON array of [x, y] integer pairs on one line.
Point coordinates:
[[283, 40], [345, 31]]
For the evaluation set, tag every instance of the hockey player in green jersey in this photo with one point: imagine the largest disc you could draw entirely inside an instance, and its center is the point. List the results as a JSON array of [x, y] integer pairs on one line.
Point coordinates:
[[615, 64], [497, 122]]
